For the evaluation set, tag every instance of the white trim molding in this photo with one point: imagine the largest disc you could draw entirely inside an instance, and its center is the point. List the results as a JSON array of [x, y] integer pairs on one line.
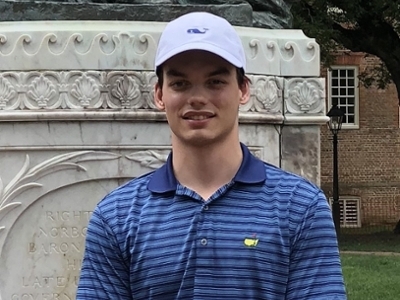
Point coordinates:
[[345, 88], [131, 45]]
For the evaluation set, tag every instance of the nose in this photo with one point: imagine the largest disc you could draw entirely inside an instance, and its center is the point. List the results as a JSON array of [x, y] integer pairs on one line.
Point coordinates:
[[197, 97]]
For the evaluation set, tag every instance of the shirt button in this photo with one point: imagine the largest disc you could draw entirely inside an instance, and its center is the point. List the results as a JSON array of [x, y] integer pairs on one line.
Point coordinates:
[[203, 242], [206, 207]]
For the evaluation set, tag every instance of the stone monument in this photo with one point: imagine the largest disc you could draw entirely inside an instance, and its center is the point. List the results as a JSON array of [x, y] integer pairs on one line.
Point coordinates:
[[77, 119], [258, 13]]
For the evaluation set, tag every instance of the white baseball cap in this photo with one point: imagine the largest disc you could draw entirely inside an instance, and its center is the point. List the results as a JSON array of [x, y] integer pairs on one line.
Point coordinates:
[[201, 31]]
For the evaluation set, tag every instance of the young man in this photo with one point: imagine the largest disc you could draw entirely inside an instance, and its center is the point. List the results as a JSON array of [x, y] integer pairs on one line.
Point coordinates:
[[214, 222]]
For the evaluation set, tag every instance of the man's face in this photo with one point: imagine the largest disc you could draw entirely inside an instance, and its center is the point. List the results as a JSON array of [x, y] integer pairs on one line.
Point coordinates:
[[201, 97]]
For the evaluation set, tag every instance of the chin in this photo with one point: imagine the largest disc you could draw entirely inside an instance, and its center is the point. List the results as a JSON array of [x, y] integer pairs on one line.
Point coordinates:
[[201, 141]]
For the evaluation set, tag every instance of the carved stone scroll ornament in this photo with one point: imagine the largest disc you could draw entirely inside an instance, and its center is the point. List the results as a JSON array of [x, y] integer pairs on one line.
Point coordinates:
[[305, 96], [76, 90], [7, 93], [152, 159], [86, 91], [265, 95], [71, 50], [130, 45], [27, 178]]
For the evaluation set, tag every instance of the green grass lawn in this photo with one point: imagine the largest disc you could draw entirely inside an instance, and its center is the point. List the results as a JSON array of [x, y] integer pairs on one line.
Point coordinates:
[[371, 277], [369, 239]]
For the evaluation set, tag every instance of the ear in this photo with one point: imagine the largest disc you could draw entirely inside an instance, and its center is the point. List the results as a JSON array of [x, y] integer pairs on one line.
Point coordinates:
[[158, 97], [245, 92]]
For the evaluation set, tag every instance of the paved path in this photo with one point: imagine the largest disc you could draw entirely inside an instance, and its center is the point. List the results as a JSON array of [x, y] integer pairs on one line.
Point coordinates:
[[371, 253]]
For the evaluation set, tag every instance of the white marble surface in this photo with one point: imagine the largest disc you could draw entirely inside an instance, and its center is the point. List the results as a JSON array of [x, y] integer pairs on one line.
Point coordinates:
[[42, 254], [305, 96], [102, 90], [116, 45], [77, 119], [128, 95], [52, 176], [301, 150]]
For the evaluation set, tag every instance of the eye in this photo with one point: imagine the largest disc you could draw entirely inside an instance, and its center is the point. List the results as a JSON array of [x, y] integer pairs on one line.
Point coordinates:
[[216, 82], [178, 84]]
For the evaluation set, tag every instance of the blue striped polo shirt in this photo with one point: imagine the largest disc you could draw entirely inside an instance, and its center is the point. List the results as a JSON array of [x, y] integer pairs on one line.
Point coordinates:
[[268, 234]]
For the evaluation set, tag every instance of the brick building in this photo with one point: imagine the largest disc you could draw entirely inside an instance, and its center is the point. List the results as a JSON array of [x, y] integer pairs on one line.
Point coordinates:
[[368, 148]]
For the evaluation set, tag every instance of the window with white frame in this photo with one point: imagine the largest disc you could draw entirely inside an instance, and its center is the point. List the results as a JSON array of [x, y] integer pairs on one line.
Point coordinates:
[[343, 90]]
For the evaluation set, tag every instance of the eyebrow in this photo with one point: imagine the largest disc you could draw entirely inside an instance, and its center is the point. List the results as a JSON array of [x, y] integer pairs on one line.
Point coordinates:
[[220, 71], [175, 73]]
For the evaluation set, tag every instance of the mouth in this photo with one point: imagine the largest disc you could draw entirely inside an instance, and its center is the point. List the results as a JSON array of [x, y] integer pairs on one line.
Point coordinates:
[[198, 116]]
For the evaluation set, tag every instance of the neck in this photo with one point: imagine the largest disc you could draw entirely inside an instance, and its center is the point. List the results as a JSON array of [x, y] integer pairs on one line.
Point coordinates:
[[205, 169]]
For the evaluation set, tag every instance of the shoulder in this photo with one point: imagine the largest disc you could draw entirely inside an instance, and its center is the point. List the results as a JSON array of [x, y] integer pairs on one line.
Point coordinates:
[[286, 182], [125, 197], [297, 195]]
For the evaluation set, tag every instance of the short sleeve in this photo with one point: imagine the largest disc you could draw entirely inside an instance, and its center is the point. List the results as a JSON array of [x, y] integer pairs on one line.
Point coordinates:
[[104, 274], [315, 271]]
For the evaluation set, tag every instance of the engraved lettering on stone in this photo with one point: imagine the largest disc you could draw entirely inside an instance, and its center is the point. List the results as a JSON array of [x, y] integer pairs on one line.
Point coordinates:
[[126, 90], [41, 90], [68, 216], [74, 264], [7, 92], [62, 231], [55, 248], [150, 158], [41, 296], [44, 281], [60, 236], [27, 177], [85, 90]]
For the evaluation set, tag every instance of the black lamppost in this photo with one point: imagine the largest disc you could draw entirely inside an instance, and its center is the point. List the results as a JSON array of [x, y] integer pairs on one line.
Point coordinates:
[[335, 124]]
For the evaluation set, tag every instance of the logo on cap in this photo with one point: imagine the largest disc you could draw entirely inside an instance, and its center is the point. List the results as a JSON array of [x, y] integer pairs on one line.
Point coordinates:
[[197, 30]]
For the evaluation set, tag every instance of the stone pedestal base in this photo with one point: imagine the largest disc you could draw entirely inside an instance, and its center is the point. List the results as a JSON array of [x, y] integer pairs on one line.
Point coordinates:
[[77, 119]]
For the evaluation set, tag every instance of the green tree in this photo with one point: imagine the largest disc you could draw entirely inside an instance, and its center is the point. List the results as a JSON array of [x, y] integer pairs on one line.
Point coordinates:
[[369, 26]]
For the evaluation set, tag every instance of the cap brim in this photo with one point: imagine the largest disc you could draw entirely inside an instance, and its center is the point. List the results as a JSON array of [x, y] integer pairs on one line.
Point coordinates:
[[200, 46]]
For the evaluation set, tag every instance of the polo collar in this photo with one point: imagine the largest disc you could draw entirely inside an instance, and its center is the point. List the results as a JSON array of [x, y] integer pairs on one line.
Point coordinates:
[[251, 171]]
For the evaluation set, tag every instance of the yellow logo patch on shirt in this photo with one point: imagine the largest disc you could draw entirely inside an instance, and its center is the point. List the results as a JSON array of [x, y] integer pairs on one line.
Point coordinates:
[[250, 242]]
